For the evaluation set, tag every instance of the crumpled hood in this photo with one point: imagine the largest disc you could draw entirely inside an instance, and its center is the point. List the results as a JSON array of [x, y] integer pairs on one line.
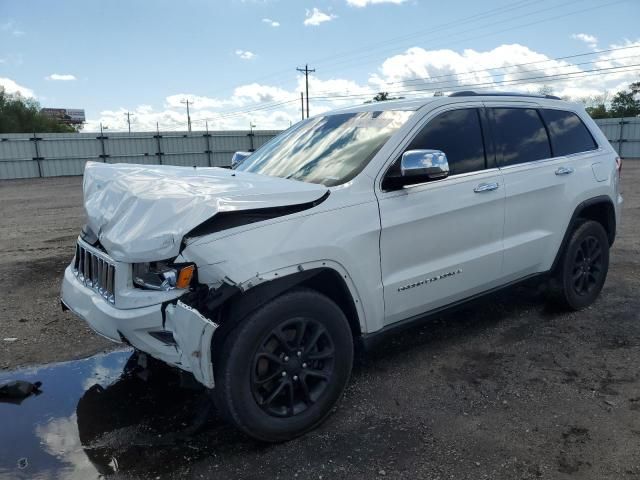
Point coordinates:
[[140, 213]]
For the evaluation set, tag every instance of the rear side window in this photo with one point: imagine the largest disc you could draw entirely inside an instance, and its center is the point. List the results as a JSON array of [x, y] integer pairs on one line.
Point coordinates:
[[459, 135], [568, 133], [520, 135]]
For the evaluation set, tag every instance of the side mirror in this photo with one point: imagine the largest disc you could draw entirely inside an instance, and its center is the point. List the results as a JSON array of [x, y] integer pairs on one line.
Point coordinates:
[[430, 164], [238, 157]]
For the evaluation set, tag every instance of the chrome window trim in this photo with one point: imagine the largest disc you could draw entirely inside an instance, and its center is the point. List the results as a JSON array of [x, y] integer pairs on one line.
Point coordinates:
[[543, 161]]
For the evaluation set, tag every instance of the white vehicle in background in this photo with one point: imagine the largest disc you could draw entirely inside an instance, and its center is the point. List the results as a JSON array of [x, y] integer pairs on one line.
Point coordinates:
[[260, 280]]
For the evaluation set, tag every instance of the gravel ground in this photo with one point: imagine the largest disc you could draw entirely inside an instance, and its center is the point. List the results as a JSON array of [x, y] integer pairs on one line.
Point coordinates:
[[507, 388], [39, 222]]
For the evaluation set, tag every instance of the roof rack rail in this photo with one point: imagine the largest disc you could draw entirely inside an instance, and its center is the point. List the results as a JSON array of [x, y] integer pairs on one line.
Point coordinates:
[[473, 93]]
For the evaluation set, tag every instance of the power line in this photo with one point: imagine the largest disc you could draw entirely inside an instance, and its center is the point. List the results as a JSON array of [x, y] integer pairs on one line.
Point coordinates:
[[434, 30], [238, 113], [492, 32], [453, 87], [333, 95], [407, 82], [519, 81], [449, 88], [477, 16], [526, 64]]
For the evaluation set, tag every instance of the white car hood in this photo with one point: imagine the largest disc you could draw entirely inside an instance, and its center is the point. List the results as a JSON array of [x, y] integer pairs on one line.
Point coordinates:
[[140, 213]]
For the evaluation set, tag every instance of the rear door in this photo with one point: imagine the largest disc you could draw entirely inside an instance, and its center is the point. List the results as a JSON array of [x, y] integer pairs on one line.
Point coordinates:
[[441, 241], [541, 176]]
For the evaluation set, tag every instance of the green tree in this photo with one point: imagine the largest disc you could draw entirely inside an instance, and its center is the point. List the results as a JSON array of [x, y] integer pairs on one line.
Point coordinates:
[[545, 90], [22, 115], [598, 111], [624, 104], [381, 97], [596, 105]]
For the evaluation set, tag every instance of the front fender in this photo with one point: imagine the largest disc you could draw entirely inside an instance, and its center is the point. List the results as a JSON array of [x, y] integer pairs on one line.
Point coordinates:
[[345, 240]]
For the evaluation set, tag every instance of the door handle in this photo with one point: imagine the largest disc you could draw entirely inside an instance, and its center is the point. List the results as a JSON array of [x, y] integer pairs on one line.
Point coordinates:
[[564, 171], [486, 187]]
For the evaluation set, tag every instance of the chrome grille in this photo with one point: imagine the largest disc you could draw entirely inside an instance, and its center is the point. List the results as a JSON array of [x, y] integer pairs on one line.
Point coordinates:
[[96, 271]]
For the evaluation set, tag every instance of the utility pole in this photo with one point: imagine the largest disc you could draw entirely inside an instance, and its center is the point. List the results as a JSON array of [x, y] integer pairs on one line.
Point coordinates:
[[306, 72], [302, 104], [251, 127], [188, 115], [128, 114]]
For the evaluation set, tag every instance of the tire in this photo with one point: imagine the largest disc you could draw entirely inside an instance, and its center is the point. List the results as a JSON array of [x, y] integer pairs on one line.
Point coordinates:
[[285, 366], [583, 266]]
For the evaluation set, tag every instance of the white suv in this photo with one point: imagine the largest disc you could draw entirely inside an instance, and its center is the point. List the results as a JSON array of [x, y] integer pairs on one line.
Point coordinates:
[[260, 280]]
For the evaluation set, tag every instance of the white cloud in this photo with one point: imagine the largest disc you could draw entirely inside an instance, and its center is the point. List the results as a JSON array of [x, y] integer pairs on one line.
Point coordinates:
[[272, 23], [60, 438], [590, 40], [196, 102], [507, 67], [10, 27], [60, 77], [412, 73], [245, 54], [255, 92], [315, 17], [364, 3], [10, 86]]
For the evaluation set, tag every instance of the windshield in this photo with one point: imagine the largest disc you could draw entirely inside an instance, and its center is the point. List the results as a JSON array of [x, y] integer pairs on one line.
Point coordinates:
[[330, 150]]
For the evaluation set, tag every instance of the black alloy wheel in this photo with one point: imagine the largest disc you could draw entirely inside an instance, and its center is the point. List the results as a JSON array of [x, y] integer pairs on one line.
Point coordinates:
[[587, 266], [292, 367], [283, 368], [583, 266]]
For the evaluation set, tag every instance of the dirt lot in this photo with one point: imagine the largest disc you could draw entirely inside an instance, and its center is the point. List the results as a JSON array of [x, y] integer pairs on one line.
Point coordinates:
[[39, 222], [506, 388]]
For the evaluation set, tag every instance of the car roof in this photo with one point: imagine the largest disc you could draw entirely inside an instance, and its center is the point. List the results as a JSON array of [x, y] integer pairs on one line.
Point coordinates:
[[456, 97], [403, 104]]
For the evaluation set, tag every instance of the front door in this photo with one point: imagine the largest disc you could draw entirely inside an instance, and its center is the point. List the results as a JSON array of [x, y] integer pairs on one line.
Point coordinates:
[[441, 241]]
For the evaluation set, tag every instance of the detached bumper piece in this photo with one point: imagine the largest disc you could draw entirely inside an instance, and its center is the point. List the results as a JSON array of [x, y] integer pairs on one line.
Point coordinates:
[[193, 333]]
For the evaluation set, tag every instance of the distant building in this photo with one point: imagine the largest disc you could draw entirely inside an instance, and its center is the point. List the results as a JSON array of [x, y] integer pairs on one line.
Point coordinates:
[[71, 116]]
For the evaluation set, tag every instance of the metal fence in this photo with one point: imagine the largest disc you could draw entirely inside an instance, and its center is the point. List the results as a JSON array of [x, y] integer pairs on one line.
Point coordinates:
[[56, 154], [623, 134]]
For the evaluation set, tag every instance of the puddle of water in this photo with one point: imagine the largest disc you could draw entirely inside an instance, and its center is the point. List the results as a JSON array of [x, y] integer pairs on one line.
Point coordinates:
[[99, 416]]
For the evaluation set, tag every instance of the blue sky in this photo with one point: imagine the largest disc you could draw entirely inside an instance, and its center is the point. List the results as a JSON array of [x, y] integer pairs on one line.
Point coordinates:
[[234, 56]]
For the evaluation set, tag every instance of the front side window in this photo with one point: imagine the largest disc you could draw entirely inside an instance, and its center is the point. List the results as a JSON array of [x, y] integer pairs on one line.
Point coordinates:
[[329, 150], [568, 133], [520, 135], [458, 134]]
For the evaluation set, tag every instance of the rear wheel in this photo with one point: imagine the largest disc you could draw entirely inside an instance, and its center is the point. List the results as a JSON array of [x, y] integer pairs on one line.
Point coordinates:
[[583, 267], [285, 366]]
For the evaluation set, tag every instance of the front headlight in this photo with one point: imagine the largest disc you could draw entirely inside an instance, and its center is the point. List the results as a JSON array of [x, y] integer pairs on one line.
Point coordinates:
[[162, 275]]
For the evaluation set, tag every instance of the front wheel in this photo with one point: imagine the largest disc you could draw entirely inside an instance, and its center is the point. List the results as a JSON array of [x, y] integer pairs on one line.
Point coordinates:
[[285, 366], [584, 266]]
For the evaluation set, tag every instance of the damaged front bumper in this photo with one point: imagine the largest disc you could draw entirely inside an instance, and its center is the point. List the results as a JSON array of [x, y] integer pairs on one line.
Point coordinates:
[[180, 337]]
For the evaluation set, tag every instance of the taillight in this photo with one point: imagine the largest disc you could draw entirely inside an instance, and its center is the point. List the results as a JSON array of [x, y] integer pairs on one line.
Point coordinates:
[[619, 166]]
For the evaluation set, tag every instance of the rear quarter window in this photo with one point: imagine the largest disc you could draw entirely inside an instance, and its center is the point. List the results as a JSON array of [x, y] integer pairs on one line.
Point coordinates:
[[520, 135], [568, 133]]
